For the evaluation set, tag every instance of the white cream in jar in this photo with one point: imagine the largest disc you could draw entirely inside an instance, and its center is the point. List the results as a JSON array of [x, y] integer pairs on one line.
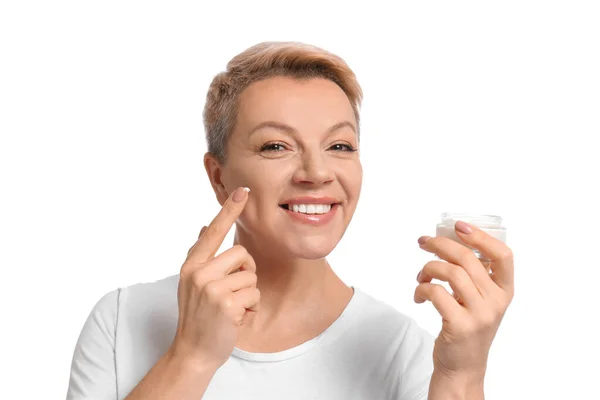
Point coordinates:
[[490, 224]]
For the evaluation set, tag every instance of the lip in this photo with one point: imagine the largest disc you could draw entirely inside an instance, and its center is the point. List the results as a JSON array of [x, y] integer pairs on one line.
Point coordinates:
[[312, 200], [313, 219]]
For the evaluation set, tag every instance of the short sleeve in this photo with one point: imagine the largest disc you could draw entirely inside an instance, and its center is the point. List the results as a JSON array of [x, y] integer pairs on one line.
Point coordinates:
[[93, 369], [414, 364]]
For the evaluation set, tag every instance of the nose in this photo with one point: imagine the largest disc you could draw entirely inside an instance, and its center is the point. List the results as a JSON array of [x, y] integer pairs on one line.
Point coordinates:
[[313, 169]]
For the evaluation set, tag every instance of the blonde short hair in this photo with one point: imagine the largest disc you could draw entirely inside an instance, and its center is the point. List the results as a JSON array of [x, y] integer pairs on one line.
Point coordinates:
[[265, 60]]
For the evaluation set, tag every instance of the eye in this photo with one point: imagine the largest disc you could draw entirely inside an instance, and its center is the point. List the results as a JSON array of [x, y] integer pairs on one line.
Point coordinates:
[[273, 147], [342, 147]]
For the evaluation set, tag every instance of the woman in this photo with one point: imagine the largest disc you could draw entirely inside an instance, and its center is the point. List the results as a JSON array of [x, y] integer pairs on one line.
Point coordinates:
[[282, 126]]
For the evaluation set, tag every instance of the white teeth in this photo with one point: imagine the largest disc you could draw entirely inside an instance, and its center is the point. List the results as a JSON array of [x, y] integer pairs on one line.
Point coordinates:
[[311, 208]]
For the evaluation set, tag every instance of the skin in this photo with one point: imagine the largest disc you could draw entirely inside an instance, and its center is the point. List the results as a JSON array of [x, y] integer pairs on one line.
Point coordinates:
[[274, 288], [300, 293]]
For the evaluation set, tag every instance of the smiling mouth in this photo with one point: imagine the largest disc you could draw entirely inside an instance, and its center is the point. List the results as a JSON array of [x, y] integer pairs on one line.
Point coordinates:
[[310, 209]]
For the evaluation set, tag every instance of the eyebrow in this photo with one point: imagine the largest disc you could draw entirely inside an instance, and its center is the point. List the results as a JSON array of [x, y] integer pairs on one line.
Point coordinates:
[[290, 130]]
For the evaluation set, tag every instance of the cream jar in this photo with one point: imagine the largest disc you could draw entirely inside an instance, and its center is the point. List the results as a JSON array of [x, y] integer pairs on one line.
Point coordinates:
[[490, 224]]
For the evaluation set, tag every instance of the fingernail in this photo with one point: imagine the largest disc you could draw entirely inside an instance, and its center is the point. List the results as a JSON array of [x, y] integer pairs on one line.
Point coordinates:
[[419, 275], [463, 227], [424, 239], [240, 194]]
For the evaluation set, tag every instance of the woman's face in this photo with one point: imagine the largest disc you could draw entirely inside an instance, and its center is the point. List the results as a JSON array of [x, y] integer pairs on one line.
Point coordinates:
[[293, 147]]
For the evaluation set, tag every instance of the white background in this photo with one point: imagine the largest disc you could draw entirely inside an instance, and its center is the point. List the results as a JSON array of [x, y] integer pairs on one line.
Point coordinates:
[[489, 107]]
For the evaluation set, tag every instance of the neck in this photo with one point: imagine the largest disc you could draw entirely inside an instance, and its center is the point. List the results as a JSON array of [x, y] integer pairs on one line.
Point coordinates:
[[289, 285]]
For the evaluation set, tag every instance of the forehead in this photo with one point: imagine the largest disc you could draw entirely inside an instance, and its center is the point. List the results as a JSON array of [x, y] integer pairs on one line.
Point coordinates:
[[295, 102]]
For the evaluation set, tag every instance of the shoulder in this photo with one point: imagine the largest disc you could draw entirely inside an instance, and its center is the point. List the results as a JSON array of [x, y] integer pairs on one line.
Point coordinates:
[[388, 322], [155, 291], [139, 299], [148, 299], [120, 320], [403, 348], [143, 292], [395, 336]]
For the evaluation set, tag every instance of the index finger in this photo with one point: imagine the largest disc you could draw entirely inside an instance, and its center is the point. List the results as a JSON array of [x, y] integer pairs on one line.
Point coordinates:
[[215, 233]]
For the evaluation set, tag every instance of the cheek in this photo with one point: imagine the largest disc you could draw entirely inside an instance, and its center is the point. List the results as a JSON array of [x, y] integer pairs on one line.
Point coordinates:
[[351, 180], [265, 192], [261, 173], [251, 176]]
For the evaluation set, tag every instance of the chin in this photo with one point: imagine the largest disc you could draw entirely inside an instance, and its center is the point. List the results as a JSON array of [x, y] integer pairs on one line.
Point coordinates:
[[311, 248]]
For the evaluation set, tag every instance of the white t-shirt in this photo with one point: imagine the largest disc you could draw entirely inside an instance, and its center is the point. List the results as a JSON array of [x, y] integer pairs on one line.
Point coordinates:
[[370, 352]]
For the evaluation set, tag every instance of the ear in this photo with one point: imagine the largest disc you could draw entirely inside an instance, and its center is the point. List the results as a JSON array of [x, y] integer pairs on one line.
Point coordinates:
[[214, 172]]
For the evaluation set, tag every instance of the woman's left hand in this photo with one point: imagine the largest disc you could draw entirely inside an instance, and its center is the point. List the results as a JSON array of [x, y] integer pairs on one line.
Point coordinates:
[[471, 320]]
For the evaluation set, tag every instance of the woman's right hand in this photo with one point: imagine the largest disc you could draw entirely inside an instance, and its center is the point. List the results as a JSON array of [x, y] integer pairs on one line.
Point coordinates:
[[214, 297]]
